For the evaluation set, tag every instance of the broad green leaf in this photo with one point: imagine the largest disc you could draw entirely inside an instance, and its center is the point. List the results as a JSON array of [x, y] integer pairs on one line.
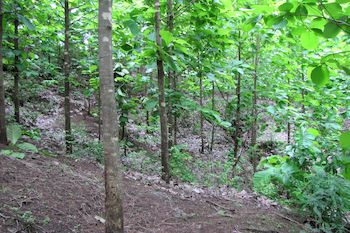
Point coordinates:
[[12, 154], [166, 36], [314, 132], [309, 40], [320, 75], [14, 132], [331, 30], [26, 22], [334, 10], [318, 23], [301, 11], [132, 25], [286, 6], [345, 140], [28, 147]]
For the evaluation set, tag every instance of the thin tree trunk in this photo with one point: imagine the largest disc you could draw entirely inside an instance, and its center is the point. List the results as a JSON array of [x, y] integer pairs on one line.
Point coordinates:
[[16, 74], [99, 114], [303, 91], [113, 202], [201, 115], [171, 76], [254, 107], [213, 108], [3, 135], [68, 129], [237, 134], [288, 123], [162, 106]]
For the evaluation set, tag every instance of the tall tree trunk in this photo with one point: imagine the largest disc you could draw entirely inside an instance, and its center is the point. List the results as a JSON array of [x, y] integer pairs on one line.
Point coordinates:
[[16, 74], [171, 77], [201, 115], [99, 113], [213, 108], [3, 135], [303, 91], [113, 202], [288, 123], [68, 129], [254, 107], [162, 106], [237, 134]]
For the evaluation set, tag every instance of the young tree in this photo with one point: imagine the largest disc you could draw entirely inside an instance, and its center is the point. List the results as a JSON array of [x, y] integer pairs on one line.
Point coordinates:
[[113, 202], [68, 129], [16, 73], [162, 107], [3, 136]]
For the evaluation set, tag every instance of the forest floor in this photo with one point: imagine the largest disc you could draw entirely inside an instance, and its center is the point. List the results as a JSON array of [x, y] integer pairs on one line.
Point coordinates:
[[43, 194], [49, 192]]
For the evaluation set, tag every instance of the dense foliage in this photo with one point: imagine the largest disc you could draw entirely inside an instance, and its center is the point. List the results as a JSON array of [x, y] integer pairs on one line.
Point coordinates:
[[246, 68]]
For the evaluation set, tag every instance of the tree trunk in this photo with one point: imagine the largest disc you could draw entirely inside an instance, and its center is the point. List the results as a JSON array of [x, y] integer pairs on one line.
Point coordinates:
[[254, 107], [171, 77], [201, 115], [68, 129], [16, 74], [213, 108], [99, 114], [162, 106], [237, 134], [113, 202], [3, 136], [303, 91], [288, 123]]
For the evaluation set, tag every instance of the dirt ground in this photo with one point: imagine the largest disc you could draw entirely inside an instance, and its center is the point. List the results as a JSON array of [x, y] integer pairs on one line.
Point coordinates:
[[43, 194]]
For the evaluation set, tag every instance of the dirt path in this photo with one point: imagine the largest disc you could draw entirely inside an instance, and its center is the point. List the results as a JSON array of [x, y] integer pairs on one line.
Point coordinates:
[[40, 194]]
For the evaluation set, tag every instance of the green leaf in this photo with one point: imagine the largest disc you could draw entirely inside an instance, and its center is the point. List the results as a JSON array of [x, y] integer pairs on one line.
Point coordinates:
[[314, 132], [345, 140], [334, 10], [14, 132], [126, 47], [331, 30], [320, 75], [132, 25], [166, 36], [309, 40], [12, 154], [286, 6], [301, 11], [28, 147], [26, 22]]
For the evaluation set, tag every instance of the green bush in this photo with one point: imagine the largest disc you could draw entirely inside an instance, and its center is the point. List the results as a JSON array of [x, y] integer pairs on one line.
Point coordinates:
[[179, 164]]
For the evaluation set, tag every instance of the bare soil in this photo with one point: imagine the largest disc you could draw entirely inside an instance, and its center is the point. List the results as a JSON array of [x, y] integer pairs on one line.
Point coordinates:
[[43, 194]]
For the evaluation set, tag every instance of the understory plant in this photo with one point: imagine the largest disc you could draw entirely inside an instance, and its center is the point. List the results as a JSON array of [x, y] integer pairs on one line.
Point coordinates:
[[306, 179]]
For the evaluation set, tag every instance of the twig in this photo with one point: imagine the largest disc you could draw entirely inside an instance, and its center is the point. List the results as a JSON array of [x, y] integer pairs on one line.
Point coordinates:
[[221, 206], [289, 219]]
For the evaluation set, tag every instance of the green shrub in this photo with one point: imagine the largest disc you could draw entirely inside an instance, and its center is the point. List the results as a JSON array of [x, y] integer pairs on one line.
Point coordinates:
[[179, 164]]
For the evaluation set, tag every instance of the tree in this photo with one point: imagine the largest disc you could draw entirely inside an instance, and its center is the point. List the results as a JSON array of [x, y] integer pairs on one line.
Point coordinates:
[[164, 150], [3, 136], [113, 202], [68, 129], [15, 96]]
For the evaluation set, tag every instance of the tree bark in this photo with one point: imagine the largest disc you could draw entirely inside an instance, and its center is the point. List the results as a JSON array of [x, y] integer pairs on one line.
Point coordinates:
[[237, 122], [201, 115], [68, 129], [213, 108], [171, 78], [113, 202], [254, 107], [162, 106], [16, 73], [3, 135]]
